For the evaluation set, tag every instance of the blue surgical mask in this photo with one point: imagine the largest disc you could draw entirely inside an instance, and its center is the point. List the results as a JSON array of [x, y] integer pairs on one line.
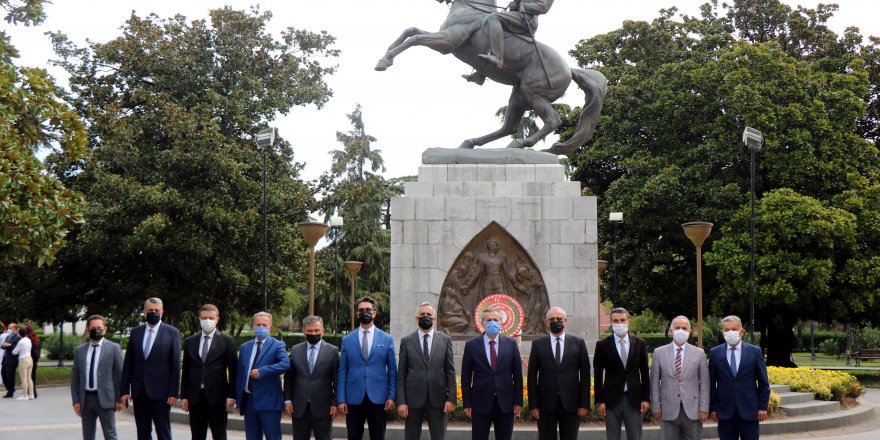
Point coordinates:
[[493, 328], [261, 332]]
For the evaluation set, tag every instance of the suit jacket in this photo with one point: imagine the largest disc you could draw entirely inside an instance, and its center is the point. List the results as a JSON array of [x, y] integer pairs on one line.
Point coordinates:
[[317, 387], [159, 374], [420, 381], [747, 393], [375, 376], [610, 374], [669, 393], [217, 372], [568, 381], [8, 357], [479, 383], [271, 363], [108, 374]]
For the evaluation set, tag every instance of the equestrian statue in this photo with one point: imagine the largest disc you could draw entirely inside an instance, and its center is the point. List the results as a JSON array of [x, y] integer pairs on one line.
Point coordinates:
[[500, 45]]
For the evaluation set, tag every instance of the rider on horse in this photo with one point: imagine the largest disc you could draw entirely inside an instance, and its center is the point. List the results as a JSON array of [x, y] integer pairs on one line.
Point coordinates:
[[520, 18]]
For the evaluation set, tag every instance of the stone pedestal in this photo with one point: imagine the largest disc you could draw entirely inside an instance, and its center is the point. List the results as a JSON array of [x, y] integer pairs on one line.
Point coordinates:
[[451, 203]]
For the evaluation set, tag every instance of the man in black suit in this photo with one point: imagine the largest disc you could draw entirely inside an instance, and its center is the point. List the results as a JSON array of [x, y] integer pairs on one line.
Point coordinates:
[[151, 373], [310, 383], [491, 380], [559, 380], [207, 388], [10, 361], [425, 378], [623, 389]]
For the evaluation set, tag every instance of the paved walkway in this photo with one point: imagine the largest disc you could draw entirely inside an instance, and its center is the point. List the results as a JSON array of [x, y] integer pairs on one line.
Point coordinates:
[[51, 417]]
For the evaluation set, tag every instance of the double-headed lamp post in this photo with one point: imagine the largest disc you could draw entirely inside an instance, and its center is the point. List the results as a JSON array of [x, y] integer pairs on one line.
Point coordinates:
[[615, 218], [265, 139], [697, 232], [754, 140], [353, 267], [312, 232], [603, 266], [336, 224]]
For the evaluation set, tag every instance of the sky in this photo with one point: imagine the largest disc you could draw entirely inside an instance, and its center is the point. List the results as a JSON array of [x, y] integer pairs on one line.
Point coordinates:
[[418, 103]]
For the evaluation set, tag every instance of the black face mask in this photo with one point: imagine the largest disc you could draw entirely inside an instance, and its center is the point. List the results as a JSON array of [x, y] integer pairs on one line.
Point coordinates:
[[313, 339], [96, 334], [365, 318], [557, 327], [426, 322], [153, 318]]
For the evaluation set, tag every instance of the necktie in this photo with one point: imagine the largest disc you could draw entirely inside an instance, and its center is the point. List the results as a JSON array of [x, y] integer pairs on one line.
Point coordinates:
[[733, 361], [623, 353], [312, 351], [149, 344], [558, 352], [250, 385], [92, 367], [425, 347], [205, 348], [365, 345], [678, 362], [493, 355]]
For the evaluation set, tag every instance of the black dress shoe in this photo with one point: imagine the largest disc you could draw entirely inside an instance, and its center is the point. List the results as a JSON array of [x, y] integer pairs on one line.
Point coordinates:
[[6, 396]]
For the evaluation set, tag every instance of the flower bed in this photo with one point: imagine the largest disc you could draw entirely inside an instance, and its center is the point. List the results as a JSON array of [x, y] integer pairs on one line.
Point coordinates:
[[825, 384]]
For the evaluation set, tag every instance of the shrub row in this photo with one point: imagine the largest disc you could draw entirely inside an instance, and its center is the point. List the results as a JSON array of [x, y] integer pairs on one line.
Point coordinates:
[[825, 384]]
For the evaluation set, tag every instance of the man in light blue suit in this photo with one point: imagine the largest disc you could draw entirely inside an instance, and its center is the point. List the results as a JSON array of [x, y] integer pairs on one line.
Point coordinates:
[[261, 362], [738, 386], [367, 382]]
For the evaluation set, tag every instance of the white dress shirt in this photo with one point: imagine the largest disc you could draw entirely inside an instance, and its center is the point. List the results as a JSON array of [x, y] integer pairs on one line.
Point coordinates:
[[561, 337], [23, 348], [202, 341], [147, 337], [422, 334], [617, 344], [737, 356], [370, 333], [98, 349]]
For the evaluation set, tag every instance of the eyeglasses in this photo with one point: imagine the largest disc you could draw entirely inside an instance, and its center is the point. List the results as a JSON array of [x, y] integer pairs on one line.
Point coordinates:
[[367, 310], [556, 320]]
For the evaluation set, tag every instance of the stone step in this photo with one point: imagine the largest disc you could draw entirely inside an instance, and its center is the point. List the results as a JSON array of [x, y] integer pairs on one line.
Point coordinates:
[[780, 388], [793, 397], [810, 408]]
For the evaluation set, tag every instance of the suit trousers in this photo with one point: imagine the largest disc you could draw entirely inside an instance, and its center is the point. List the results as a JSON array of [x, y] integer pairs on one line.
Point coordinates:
[[623, 413], [503, 423], [203, 414], [259, 423], [437, 421], [91, 412], [148, 412], [308, 425], [682, 428], [736, 428], [8, 372], [367, 411], [567, 423]]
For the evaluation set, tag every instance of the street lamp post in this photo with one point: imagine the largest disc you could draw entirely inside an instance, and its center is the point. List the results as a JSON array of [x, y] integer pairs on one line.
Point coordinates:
[[265, 140], [336, 223], [697, 232], [312, 232], [812, 340], [603, 266], [754, 140], [353, 267], [615, 218]]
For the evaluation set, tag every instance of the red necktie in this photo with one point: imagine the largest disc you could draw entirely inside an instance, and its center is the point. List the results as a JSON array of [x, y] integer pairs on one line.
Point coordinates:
[[678, 362], [493, 355]]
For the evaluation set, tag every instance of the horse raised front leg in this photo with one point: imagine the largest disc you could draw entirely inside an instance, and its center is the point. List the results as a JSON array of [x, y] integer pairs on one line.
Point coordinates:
[[387, 60], [444, 41]]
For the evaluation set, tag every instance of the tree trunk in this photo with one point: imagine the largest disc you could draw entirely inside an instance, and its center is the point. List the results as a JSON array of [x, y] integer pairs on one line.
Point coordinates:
[[780, 338]]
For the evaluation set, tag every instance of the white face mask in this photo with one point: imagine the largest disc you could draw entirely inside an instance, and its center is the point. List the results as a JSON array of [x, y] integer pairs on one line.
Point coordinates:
[[731, 337], [208, 325], [620, 329], [680, 336]]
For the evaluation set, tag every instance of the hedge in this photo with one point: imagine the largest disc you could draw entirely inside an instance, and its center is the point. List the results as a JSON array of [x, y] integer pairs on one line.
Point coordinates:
[[825, 384]]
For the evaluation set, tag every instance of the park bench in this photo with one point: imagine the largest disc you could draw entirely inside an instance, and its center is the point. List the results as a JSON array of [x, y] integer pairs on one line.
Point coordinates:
[[866, 354]]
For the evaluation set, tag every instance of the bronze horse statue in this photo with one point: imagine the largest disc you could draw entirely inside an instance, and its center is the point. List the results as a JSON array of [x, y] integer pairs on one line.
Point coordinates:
[[538, 74]]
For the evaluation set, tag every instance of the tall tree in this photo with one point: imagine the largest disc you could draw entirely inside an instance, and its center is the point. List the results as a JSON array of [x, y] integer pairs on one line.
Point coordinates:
[[174, 180], [667, 150]]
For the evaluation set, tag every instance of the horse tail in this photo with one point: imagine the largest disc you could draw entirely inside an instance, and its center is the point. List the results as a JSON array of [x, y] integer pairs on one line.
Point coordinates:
[[595, 86]]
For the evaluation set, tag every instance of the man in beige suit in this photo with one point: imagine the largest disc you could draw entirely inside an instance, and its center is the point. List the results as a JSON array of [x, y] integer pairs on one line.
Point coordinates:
[[680, 385]]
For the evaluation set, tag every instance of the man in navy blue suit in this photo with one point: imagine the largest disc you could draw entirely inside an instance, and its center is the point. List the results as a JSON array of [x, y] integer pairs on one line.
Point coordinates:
[[151, 372], [739, 391], [491, 380], [258, 395], [367, 382]]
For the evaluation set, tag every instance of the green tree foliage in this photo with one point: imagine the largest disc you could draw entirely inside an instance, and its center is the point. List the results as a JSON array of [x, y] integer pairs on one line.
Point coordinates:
[[668, 148], [174, 179], [360, 195], [36, 209]]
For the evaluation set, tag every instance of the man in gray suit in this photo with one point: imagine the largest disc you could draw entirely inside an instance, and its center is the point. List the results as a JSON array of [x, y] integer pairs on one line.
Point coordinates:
[[310, 383], [680, 385], [425, 378], [95, 382]]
